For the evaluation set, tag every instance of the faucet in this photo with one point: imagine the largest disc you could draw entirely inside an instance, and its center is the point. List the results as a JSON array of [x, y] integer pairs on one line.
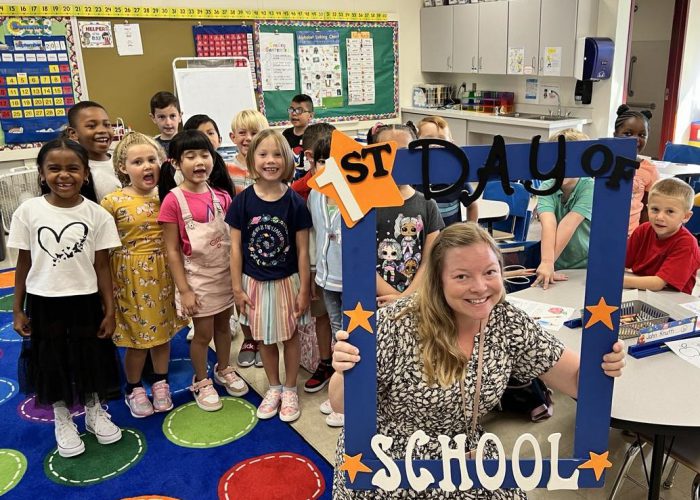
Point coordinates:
[[558, 101]]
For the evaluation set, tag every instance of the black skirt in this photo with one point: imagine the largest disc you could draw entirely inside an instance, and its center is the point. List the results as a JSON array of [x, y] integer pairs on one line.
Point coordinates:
[[67, 362]]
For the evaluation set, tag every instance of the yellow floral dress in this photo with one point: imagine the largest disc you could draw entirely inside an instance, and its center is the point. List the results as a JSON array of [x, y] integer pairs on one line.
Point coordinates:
[[143, 286]]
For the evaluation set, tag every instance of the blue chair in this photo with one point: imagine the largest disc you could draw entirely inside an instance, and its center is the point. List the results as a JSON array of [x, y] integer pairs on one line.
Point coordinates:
[[683, 153], [516, 226]]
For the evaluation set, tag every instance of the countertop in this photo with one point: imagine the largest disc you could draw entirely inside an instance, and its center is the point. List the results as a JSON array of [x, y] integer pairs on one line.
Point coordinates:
[[497, 119]]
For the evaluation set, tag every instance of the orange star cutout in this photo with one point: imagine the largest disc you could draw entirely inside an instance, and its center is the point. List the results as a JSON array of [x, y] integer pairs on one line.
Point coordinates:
[[353, 465], [357, 177], [359, 317], [601, 312], [598, 463]]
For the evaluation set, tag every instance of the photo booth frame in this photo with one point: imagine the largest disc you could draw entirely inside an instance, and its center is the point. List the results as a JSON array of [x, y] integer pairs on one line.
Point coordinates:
[[352, 176]]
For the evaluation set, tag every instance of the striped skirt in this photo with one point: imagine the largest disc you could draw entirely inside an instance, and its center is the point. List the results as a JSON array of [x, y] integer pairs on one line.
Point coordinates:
[[273, 319]]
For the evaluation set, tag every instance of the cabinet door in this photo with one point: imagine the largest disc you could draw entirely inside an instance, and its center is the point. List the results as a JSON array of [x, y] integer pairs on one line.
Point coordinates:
[[523, 36], [436, 39], [465, 45], [493, 37], [557, 37]]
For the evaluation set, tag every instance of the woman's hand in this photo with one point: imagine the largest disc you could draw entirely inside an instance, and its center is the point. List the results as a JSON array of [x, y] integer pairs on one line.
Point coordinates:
[[614, 362], [189, 302], [242, 301], [345, 355], [21, 324]]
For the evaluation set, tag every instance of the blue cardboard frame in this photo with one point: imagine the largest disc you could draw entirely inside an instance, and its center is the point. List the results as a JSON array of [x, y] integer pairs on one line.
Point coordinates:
[[612, 164]]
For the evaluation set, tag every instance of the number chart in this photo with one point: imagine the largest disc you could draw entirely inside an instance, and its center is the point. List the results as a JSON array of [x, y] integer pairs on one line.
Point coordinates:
[[36, 89]]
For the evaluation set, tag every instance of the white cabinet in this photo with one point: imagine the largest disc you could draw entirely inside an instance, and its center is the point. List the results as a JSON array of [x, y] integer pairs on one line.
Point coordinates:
[[465, 41], [558, 31], [436, 39], [524, 33], [493, 37]]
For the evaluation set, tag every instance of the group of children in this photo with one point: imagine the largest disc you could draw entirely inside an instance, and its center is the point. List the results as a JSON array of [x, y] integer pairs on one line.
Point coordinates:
[[181, 235]]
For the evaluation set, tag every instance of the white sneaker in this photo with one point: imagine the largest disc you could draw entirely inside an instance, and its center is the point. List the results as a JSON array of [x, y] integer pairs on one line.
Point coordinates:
[[190, 334], [99, 423], [335, 419], [68, 440], [326, 407]]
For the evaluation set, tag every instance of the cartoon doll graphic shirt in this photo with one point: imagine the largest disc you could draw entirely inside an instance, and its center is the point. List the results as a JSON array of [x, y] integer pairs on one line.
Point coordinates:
[[268, 233], [62, 243], [400, 238]]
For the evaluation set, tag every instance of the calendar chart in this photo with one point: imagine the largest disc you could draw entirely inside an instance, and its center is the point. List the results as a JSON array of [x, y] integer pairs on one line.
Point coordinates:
[[225, 41], [36, 89]]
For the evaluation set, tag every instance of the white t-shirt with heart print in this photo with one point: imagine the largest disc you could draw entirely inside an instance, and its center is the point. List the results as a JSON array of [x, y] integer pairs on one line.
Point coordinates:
[[62, 242]]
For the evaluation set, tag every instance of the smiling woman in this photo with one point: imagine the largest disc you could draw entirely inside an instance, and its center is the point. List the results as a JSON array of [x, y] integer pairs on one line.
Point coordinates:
[[444, 356]]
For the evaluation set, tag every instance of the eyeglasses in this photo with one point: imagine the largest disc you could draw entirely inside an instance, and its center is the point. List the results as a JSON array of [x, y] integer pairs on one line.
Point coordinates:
[[297, 111]]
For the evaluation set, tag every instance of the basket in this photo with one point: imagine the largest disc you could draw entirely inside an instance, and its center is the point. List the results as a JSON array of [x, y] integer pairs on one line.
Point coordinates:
[[644, 316], [16, 186]]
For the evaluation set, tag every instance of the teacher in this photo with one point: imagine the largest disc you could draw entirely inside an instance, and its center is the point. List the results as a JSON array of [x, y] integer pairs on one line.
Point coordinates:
[[444, 356]]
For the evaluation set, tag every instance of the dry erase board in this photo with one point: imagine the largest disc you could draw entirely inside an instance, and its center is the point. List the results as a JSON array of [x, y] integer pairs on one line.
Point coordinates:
[[349, 105]]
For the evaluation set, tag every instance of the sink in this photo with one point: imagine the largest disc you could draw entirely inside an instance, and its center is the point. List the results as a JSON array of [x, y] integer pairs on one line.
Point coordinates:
[[553, 118], [520, 115], [536, 116]]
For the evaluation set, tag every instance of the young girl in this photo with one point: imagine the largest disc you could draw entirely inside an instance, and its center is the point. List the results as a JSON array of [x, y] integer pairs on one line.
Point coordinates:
[[145, 312], [436, 127], [63, 273], [198, 246], [635, 124], [406, 233], [244, 126], [270, 266]]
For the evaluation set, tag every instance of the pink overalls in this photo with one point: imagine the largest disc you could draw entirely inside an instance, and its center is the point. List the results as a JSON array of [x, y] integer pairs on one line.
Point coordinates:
[[208, 268]]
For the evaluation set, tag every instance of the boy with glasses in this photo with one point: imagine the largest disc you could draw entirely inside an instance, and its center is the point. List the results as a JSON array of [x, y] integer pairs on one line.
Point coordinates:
[[301, 111]]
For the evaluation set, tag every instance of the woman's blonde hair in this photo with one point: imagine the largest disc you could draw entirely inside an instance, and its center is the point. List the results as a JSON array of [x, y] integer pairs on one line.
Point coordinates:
[[570, 134], [282, 144], [443, 361], [249, 119], [120, 152]]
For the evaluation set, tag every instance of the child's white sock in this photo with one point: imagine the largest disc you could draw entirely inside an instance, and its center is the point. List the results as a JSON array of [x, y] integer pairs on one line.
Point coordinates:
[[276, 388], [289, 389]]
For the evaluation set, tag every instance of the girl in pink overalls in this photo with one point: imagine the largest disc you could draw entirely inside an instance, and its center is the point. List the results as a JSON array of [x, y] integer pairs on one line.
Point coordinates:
[[198, 245]]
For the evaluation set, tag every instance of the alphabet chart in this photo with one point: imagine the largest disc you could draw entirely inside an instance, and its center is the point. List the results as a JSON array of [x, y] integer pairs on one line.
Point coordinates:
[[36, 88]]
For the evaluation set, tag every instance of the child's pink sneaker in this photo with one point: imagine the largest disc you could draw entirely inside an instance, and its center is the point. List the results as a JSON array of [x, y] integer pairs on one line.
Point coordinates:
[[289, 410], [228, 377], [138, 403], [270, 404], [205, 395], [162, 399]]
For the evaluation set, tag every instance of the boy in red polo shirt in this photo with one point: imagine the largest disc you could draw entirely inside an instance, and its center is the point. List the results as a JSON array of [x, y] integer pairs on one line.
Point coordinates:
[[662, 252]]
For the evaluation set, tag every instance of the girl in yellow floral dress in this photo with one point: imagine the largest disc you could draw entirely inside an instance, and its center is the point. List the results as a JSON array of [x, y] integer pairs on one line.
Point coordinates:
[[144, 293]]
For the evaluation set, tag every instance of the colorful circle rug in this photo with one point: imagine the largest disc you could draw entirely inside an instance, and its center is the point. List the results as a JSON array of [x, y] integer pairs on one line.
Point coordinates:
[[13, 465], [271, 477], [191, 427], [99, 462]]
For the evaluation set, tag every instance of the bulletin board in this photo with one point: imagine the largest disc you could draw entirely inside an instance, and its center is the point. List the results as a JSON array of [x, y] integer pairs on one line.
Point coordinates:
[[385, 47], [39, 79]]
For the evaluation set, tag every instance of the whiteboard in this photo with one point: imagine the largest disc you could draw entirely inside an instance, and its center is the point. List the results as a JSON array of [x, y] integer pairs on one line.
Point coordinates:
[[220, 92]]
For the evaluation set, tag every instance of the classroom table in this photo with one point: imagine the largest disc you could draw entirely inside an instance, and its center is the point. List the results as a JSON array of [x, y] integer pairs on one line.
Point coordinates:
[[684, 171], [657, 396], [491, 211]]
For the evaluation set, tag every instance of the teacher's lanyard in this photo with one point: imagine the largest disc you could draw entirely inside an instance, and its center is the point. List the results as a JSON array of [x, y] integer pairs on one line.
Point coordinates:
[[477, 395]]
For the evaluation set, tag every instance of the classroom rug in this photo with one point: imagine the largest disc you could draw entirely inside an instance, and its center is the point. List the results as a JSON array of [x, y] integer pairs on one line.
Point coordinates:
[[182, 454]]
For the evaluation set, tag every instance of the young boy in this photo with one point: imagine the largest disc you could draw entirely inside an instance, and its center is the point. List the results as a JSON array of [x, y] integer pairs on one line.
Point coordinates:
[[166, 114], [662, 252], [301, 111], [566, 222], [89, 124], [244, 126]]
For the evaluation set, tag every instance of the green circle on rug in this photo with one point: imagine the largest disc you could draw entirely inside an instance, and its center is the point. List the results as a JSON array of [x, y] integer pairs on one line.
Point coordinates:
[[99, 462], [6, 302], [191, 427], [13, 465]]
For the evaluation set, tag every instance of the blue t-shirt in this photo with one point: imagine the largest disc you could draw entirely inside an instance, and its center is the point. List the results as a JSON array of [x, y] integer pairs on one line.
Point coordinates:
[[268, 232]]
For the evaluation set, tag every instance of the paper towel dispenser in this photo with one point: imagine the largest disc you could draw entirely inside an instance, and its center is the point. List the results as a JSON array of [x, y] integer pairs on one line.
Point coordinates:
[[594, 58]]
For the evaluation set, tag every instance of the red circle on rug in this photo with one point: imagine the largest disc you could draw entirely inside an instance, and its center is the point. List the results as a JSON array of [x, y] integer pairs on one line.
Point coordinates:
[[150, 497], [282, 475]]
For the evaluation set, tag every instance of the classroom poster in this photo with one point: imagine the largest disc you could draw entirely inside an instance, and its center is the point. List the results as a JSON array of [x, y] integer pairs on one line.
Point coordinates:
[[516, 55], [95, 34], [552, 61], [319, 67], [360, 66], [277, 67], [128, 38]]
